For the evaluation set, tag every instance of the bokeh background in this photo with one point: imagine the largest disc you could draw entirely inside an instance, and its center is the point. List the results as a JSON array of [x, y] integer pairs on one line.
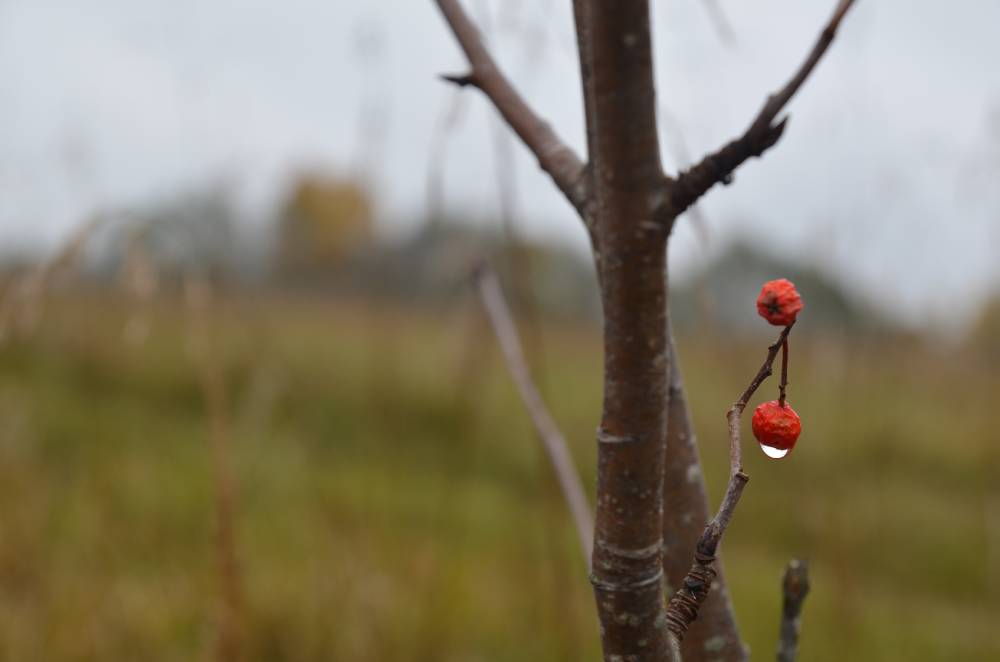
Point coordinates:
[[250, 407]]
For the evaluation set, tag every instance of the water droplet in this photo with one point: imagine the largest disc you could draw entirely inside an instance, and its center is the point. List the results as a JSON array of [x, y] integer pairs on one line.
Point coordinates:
[[774, 453]]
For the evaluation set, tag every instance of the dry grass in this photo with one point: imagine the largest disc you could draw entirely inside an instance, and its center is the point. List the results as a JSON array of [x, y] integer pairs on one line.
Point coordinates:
[[395, 507]]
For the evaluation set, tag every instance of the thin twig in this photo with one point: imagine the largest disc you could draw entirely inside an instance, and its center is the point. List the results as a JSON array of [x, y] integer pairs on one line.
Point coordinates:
[[687, 600], [555, 444], [719, 20], [764, 372], [795, 588], [554, 156], [682, 156], [674, 649], [762, 134]]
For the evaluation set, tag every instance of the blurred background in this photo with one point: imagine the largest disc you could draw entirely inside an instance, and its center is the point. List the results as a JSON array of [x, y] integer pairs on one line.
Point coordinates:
[[250, 407]]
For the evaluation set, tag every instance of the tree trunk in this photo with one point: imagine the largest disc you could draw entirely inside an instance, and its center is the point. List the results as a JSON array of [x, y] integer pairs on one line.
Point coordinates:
[[627, 181]]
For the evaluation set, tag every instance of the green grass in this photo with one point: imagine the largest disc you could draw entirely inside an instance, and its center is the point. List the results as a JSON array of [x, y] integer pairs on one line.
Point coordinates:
[[394, 505]]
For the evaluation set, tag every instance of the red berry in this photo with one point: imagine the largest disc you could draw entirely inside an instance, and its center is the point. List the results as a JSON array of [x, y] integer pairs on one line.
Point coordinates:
[[778, 302], [776, 426]]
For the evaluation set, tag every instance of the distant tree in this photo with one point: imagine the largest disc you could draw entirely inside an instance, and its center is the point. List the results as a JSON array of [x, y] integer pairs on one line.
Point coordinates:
[[323, 224]]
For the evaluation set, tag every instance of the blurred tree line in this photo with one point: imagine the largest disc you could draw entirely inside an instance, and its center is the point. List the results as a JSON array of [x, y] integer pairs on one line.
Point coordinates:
[[323, 240]]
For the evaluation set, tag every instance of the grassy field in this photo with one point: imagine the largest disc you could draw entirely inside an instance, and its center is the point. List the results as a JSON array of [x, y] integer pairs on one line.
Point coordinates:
[[394, 505]]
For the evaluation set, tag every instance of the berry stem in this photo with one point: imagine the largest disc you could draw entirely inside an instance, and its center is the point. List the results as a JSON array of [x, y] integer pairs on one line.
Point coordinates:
[[683, 607], [784, 371]]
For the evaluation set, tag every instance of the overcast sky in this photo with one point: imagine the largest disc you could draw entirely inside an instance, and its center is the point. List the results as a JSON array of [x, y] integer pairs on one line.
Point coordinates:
[[888, 177]]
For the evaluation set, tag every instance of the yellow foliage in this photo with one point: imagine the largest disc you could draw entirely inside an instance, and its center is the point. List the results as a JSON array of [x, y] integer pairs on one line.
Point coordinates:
[[324, 222]]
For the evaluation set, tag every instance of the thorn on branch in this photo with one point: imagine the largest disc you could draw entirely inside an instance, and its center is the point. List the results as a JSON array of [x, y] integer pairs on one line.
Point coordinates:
[[462, 80]]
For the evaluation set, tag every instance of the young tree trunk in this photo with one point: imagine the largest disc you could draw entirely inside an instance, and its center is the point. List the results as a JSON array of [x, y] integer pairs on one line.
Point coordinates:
[[630, 247]]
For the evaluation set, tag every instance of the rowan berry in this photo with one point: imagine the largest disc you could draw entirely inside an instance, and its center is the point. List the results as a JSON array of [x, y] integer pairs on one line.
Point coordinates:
[[778, 302], [776, 427]]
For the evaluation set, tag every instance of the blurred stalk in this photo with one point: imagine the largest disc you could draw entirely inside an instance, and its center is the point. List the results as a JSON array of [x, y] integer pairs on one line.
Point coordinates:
[[24, 301], [229, 636], [548, 432], [140, 280]]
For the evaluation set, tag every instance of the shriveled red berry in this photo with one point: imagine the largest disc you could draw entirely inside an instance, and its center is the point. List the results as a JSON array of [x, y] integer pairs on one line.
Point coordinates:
[[776, 426], [779, 303]]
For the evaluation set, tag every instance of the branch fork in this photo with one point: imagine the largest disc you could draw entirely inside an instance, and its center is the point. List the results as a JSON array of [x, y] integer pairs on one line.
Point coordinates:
[[763, 133], [554, 156], [572, 175]]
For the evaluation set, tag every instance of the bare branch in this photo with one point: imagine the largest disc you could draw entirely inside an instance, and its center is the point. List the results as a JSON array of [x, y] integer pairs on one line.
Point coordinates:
[[553, 440], [795, 588], [762, 134], [687, 600], [554, 156]]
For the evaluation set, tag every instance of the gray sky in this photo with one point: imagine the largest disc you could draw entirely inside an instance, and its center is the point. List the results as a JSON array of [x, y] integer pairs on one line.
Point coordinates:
[[888, 175]]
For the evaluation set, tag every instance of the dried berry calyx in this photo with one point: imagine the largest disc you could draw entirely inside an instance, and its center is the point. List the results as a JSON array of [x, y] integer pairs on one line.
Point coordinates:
[[776, 425], [779, 303]]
